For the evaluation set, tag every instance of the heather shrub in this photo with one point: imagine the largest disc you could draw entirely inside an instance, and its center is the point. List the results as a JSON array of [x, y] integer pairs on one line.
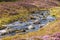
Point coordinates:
[[7, 0]]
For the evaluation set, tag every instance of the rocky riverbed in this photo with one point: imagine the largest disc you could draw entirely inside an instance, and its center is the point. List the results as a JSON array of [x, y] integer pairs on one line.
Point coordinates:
[[38, 20]]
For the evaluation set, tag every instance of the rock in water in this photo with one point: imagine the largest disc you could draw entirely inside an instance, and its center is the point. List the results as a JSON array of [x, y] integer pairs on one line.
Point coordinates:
[[50, 18]]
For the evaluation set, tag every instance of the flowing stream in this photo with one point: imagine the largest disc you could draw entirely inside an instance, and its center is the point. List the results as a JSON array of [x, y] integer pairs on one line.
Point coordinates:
[[38, 21]]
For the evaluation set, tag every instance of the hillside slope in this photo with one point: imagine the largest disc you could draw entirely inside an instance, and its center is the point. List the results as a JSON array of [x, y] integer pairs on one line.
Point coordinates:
[[43, 3]]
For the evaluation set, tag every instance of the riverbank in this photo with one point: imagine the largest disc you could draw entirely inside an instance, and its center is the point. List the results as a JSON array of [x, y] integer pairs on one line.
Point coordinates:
[[48, 29]]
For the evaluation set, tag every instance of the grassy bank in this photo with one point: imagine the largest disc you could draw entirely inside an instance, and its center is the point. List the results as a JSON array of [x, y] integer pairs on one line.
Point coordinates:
[[51, 28]]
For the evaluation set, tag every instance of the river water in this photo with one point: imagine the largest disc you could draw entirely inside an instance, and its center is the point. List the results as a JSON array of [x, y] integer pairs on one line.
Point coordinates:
[[38, 21]]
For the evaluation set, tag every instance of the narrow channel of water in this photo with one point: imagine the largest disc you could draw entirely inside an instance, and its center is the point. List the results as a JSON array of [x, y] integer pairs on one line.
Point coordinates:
[[38, 21]]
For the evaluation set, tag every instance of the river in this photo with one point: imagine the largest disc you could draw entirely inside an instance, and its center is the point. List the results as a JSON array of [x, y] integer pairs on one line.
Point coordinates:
[[38, 21]]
